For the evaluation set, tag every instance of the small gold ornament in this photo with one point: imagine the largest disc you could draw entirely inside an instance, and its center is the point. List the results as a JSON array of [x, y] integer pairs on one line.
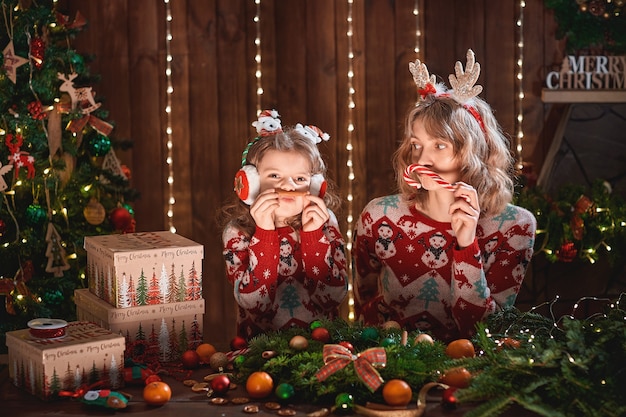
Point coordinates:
[[94, 212]]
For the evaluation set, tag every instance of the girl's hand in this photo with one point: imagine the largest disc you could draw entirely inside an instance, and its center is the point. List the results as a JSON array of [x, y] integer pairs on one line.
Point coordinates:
[[262, 210], [315, 213], [465, 213]]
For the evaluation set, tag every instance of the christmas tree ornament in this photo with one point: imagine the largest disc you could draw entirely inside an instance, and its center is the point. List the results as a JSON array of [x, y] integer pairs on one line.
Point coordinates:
[[344, 402], [94, 212], [122, 220], [98, 145], [284, 391], [347, 345], [218, 361], [220, 384], [239, 360], [369, 334], [299, 343], [315, 324], [387, 341], [423, 338], [19, 158], [57, 261], [3, 170], [12, 61], [112, 164], [190, 359], [36, 215], [448, 398], [37, 51], [82, 98], [391, 324], [238, 343], [35, 110], [320, 334]]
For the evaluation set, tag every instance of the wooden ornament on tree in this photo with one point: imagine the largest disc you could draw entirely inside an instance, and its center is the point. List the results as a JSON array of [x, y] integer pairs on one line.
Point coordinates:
[[57, 263], [94, 212]]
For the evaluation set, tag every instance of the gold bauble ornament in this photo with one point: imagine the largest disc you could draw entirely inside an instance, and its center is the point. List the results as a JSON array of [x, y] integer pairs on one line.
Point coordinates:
[[94, 212]]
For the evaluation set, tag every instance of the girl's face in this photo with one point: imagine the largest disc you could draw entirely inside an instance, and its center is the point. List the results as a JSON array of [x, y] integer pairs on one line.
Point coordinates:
[[286, 171], [437, 154]]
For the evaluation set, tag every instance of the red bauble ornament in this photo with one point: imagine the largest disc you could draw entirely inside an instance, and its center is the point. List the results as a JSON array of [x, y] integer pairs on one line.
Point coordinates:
[[190, 359], [37, 50], [347, 345], [122, 220], [238, 343], [448, 400], [567, 253], [321, 335], [220, 384]]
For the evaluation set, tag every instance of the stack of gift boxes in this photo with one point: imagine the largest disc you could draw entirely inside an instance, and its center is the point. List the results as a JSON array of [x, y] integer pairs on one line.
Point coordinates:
[[144, 297]]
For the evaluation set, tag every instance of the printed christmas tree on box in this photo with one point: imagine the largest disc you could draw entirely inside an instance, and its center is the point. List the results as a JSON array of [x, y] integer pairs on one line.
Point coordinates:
[[138, 269]]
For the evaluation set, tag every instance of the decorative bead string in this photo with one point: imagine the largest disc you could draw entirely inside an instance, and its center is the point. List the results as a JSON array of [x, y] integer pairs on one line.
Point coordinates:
[[424, 171]]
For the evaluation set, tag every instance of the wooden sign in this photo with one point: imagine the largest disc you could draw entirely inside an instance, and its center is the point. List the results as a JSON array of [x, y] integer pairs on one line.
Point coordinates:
[[594, 72]]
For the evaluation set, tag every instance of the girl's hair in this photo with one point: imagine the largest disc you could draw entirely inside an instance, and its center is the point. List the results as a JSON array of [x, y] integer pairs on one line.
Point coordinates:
[[238, 213], [486, 160]]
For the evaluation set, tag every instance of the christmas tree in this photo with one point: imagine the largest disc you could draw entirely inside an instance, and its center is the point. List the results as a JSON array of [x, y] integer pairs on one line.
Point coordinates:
[[60, 179]]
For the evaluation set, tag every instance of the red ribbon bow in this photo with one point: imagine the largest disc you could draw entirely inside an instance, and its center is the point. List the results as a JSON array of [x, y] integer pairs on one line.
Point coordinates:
[[337, 357], [428, 89]]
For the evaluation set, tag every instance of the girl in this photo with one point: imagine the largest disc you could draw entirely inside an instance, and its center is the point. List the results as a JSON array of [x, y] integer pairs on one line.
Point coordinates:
[[449, 249], [284, 253]]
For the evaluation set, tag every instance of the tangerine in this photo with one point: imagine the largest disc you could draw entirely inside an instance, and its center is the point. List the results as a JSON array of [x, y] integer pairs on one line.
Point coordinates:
[[157, 393], [397, 392], [259, 384], [457, 377], [460, 348], [205, 351]]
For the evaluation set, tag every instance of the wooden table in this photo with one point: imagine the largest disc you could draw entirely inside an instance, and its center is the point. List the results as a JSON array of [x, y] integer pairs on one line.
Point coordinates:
[[15, 402]]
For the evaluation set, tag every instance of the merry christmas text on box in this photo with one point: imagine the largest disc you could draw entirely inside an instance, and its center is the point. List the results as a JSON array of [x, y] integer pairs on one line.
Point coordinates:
[[136, 269], [166, 329], [85, 355]]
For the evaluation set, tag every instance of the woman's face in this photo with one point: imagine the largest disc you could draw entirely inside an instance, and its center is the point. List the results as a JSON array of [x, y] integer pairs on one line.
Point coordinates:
[[285, 171], [437, 154]]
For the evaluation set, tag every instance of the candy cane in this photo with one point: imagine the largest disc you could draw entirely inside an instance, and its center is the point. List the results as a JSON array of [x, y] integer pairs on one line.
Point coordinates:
[[424, 171]]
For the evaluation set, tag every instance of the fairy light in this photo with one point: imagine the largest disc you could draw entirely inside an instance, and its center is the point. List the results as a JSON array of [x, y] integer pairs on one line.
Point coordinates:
[[418, 30], [520, 85], [257, 58], [168, 112], [349, 148]]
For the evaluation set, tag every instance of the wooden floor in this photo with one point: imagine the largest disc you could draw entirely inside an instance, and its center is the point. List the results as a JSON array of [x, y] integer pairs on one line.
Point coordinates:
[[184, 403]]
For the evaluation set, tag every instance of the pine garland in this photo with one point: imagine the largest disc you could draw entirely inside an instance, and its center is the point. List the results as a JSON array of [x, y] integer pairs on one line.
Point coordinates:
[[591, 24]]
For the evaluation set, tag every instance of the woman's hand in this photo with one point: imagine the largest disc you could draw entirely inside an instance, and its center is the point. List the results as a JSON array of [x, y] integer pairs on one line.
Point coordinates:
[[465, 212], [264, 208], [315, 213]]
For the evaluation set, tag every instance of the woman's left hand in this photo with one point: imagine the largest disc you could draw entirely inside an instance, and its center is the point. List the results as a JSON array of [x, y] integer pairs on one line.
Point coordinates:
[[315, 213], [465, 212]]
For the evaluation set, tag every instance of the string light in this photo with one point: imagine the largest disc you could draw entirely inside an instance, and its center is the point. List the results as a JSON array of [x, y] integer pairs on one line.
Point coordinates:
[[520, 85], [418, 31], [257, 58], [349, 148], [168, 112]]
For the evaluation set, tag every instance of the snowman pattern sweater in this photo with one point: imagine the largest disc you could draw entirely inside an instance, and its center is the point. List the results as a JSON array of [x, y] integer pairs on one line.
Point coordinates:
[[283, 278], [410, 270]]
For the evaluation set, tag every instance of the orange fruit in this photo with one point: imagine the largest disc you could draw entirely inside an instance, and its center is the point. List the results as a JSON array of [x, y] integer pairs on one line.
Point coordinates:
[[456, 377], [397, 392], [205, 351], [157, 393], [259, 384], [460, 348]]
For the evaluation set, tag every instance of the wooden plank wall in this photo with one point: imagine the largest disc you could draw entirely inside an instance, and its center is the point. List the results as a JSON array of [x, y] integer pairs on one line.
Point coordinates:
[[304, 75]]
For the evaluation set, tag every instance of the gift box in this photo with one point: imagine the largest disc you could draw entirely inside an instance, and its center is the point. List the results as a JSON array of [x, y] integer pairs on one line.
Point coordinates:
[[136, 269], [86, 354], [162, 330]]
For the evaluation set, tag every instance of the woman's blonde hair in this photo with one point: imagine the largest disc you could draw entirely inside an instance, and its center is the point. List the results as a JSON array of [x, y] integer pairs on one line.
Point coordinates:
[[237, 212], [486, 160]]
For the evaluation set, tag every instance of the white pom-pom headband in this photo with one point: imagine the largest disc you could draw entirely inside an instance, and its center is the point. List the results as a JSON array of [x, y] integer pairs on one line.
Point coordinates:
[[462, 82]]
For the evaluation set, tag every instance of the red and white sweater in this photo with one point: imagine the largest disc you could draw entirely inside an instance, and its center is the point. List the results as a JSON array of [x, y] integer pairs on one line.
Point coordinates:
[[283, 278], [410, 270]]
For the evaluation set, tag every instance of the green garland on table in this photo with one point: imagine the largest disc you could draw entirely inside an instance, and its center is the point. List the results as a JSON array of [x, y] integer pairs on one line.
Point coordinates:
[[591, 24], [570, 368], [415, 363], [580, 222]]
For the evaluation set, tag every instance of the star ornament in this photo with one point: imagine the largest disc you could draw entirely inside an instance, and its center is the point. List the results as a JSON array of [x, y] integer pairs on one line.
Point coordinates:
[[12, 61]]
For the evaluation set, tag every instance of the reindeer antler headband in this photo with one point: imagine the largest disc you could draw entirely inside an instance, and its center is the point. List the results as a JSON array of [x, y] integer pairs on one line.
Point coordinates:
[[462, 82]]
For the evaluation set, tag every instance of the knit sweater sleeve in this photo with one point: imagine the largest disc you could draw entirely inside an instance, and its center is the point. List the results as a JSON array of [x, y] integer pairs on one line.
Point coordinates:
[[324, 263], [488, 275], [252, 266]]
